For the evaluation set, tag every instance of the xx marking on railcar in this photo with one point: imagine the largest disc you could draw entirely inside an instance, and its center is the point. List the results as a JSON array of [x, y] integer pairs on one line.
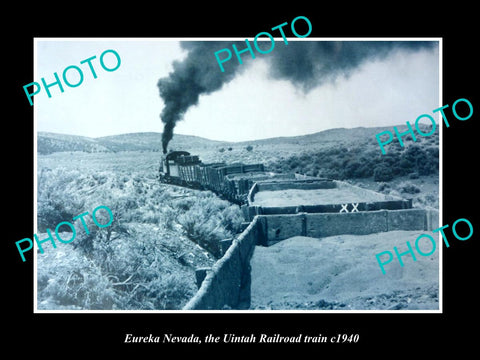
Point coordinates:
[[345, 207]]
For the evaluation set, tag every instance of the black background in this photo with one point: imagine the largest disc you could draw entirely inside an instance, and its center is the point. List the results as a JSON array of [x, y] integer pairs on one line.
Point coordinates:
[[382, 335]]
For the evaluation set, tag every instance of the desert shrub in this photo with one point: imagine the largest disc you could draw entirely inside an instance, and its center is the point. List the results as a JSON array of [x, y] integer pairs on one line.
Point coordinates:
[[129, 264], [141, 273], [66, 280], [382, 173], [331, 174], [357, 169], [168, 292], [50, 213], [415, 159], [359, 161], [127, 274], [168, 217], [90, 236], [426, 200], [406, 165], [163, 292], [56, 202], [408, 188], [204, 231], [210, 220], [183, 204], [392, 162], [364, 171], [232, 218], [384, 187], [311, 172], [98, 240]]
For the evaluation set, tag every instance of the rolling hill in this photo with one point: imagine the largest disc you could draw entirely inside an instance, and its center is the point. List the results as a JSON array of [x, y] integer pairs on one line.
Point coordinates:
[[48, 143]]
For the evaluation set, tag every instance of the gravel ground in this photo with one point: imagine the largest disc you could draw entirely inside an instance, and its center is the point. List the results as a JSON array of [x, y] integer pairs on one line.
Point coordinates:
[[342, 273]]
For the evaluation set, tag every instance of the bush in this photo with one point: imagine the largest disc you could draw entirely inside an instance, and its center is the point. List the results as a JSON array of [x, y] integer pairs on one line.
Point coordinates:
[[169, 291], [358, 169], [426, 200], [384, 187], [116, 275], [422, 160], [56, 202], [72, 281], [408, 188], [210, 220]]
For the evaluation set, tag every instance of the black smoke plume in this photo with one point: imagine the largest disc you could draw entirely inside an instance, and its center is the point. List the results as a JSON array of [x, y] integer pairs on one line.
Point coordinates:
[[306, 64], [198, 74], [311, 64]]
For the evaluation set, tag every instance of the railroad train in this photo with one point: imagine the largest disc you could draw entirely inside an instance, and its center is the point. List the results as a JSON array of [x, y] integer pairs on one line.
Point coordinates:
[[231, 182]]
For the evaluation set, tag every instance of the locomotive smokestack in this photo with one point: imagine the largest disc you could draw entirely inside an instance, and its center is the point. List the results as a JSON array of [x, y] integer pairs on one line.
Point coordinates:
[[167, 135]]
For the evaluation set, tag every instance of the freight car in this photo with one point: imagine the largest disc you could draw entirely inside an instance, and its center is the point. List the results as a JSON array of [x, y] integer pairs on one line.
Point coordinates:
[[229, 181]]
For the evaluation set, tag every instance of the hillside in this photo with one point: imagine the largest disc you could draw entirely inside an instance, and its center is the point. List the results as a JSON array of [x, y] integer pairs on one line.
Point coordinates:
[[326, 137], [48, 143], [152, 141]]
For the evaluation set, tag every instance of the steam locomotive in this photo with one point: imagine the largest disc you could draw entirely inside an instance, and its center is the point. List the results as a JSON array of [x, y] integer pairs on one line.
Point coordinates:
[[229, 181]]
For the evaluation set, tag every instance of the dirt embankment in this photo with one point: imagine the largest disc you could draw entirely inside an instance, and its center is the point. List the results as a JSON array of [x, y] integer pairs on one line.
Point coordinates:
[[342, 273]]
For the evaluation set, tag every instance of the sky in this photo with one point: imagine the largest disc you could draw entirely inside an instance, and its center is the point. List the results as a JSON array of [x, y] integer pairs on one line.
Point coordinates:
[[380, 92]]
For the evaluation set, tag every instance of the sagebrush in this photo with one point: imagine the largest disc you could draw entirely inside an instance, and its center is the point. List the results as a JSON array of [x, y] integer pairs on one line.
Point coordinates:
[[145, 259]]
